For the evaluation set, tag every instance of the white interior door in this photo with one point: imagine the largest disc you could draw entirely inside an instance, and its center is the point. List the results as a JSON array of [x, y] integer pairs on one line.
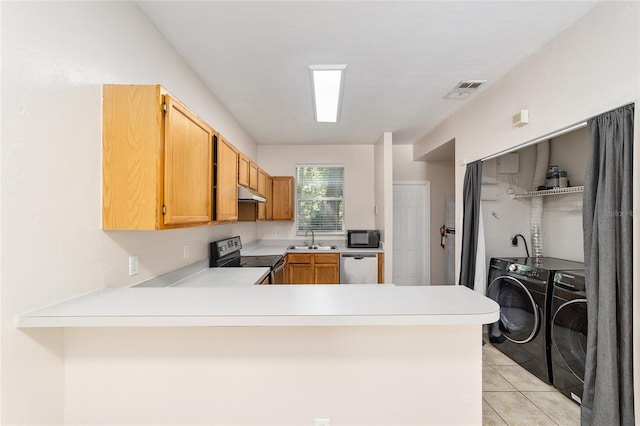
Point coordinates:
[[411, 233]]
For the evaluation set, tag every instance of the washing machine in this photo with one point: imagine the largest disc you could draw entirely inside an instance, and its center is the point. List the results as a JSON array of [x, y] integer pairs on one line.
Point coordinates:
[[569, 333], [522, 287]]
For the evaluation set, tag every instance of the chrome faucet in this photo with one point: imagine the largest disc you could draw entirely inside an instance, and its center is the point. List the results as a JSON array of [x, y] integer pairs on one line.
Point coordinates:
[[313, 237]]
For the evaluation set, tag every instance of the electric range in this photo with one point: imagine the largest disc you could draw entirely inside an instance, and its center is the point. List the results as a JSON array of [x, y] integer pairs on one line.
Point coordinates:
[[226, 254]]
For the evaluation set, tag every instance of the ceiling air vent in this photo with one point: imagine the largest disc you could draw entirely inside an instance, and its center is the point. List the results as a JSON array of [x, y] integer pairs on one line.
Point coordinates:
[[464, 89], [470, 84]]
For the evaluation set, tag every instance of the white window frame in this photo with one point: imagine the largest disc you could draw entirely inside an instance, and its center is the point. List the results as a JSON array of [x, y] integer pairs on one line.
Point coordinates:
[[300, 231]]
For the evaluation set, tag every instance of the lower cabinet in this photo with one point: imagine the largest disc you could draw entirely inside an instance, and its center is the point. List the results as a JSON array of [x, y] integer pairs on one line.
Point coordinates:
[[312, 268]]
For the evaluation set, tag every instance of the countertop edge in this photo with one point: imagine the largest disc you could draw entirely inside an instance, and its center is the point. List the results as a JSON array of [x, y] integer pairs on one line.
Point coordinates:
[[25, 321]]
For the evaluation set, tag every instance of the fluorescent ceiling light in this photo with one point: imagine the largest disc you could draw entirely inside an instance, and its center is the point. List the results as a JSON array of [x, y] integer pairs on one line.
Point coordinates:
[[327, 81]]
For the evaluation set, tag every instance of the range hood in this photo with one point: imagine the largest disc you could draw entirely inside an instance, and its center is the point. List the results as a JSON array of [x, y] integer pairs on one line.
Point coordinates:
[[246, 195]]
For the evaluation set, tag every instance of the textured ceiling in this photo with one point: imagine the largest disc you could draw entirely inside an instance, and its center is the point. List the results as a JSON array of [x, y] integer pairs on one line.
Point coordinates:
[[402, 58]]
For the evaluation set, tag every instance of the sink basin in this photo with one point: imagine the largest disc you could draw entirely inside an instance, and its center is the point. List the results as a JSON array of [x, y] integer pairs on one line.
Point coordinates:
[[314, 247], [321, 247]]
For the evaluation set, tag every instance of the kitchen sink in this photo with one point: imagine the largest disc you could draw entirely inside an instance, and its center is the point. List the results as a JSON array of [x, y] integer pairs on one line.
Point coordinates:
[[312, 247]]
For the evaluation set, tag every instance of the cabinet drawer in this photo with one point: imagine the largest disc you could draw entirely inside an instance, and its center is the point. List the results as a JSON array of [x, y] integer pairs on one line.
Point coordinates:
[[299, 257], [326, 258]]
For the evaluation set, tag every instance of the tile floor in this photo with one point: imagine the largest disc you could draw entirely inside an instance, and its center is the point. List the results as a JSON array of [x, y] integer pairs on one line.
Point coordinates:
[[513, 396]]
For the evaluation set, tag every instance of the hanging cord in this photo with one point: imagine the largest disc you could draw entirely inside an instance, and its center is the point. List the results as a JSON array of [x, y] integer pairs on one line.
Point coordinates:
[[514, 240]]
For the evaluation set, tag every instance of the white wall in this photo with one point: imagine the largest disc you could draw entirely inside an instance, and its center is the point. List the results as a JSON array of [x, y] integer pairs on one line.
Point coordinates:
[[383, 161], [569, 80], [441, 175], [590, 68], [275, 376], [55, 56], [281, 160]]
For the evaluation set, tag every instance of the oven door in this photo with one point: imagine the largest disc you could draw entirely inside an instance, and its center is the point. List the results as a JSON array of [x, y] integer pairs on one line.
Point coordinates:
[[277, 273]]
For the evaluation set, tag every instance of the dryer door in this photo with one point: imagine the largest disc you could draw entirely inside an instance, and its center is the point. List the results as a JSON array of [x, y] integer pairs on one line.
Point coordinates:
[[519, 315], [569, 335]]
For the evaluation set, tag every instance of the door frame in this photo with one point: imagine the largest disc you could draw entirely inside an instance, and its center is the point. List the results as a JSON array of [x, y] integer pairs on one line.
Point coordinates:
[[426, 245]]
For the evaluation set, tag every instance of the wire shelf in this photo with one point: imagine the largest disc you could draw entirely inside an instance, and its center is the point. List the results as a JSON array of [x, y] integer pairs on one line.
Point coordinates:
[[544, 193]]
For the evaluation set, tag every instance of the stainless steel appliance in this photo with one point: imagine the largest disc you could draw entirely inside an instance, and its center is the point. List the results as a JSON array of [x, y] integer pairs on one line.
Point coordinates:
[[226, 253], [569, 333], [358, 268], [522, 287], [363, 238]]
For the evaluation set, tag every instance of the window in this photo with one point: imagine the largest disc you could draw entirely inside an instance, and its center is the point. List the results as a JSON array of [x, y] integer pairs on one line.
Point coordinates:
[[319, 199]]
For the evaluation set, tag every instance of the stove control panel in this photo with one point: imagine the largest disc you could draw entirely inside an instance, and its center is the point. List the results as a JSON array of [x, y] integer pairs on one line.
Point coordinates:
[[225, 247]]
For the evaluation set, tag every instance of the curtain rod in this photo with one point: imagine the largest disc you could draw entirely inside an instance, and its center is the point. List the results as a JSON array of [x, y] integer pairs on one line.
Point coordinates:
[[551, 135], [538, 140]]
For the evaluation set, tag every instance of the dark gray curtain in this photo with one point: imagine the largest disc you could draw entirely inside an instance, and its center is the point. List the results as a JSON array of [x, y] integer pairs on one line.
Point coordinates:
[[470, 218], [608, 251]]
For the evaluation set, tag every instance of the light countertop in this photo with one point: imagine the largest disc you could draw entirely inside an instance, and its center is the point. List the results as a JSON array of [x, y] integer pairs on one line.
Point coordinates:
[[200, 275], [268, 305], [197, 295]]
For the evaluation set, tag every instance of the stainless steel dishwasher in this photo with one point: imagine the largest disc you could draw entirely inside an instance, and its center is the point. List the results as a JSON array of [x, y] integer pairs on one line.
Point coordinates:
[[358, 268]]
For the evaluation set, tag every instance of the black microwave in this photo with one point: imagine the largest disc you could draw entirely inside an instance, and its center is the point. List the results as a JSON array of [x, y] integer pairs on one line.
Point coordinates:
[[365, 238]]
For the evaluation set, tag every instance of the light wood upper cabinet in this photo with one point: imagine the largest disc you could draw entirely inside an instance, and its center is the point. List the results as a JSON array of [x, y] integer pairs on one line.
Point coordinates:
[[187, 166], [269, 196], [157, 166], [253, 176], [282, 187], [226, 185], [243, 169], [262, 190], [262, 182]]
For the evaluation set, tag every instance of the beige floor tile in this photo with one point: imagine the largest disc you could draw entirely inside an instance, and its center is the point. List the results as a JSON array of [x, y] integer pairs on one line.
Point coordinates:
[[515, 409], [521, 379], [494, 382], [557, 406], [489, 416], [492, 356]]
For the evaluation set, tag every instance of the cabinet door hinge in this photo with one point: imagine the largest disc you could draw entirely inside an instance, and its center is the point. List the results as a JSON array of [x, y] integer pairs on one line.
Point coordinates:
[[164, 209], [164, 107]]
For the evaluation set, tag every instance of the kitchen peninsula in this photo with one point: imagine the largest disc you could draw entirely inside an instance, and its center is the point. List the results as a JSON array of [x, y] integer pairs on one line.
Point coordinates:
[[249, 355]]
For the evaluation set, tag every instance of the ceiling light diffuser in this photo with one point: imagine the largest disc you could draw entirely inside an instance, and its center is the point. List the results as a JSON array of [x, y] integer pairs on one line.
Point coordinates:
[[327, 82]]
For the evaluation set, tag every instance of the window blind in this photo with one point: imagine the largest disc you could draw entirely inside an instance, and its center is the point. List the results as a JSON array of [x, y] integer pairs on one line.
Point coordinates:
[[319, 199]]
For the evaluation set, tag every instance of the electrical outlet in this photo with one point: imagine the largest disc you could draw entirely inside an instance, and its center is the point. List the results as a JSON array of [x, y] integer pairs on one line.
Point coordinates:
[[322, 422], [134, 265], [186, 252]]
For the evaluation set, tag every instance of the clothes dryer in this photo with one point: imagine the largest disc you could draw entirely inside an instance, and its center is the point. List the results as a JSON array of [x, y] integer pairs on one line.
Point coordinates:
[[569, 333], [522, 287]]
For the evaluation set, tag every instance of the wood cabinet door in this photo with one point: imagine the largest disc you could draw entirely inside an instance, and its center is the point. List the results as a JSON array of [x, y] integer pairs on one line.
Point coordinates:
[[226, 181], [269, 197], [326, 268], [253, 176], [283, 198], [262, 190], [243, 170], [188, 166], [326, 273], [301, 273]]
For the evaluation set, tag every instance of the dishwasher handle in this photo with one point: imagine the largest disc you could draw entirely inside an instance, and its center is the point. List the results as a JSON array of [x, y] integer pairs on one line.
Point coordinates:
[[359, 256]]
